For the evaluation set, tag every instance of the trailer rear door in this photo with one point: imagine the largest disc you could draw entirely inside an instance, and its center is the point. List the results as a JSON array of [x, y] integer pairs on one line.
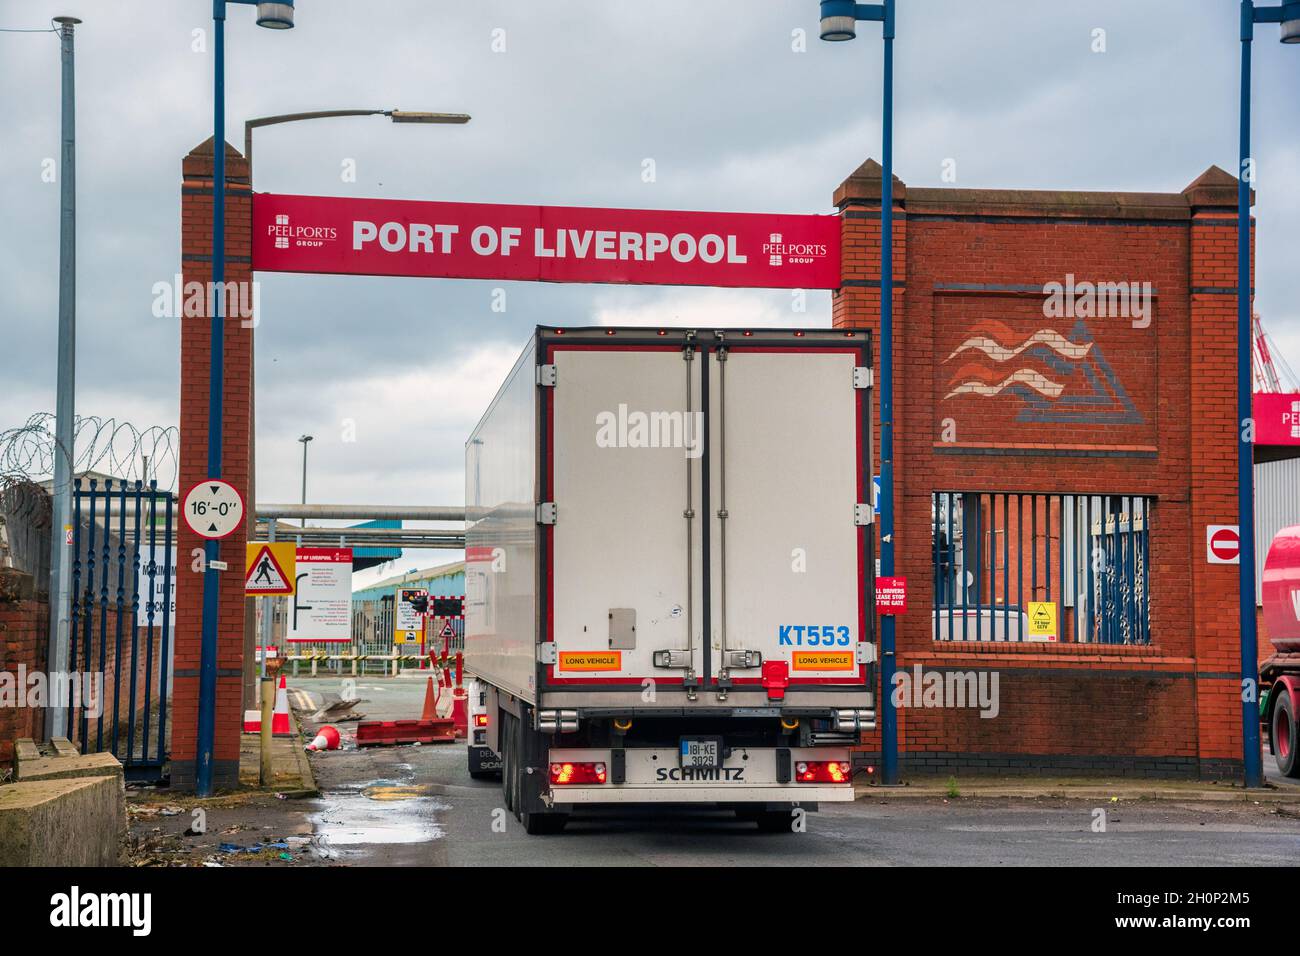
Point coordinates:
[[789, 461]]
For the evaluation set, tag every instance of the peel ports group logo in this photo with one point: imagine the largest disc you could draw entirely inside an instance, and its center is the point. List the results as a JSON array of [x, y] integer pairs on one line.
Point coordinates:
[[287, 235], [779, 252]]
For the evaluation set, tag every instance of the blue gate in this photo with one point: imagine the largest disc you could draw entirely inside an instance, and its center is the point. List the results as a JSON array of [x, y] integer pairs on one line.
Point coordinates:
[[121, 620]]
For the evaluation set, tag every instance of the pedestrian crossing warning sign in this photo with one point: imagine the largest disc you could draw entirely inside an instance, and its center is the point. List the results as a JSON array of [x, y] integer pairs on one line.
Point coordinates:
[[270, 568]]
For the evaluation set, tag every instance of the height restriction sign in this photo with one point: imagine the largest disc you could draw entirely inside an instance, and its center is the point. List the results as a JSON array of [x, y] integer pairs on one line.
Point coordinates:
[[213, 508]]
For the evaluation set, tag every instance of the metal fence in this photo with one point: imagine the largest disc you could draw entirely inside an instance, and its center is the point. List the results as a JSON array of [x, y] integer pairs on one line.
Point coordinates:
[[1041, 567], [121, 619]]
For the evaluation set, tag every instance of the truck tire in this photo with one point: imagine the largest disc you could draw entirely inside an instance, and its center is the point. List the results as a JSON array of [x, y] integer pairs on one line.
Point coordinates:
[[1283, 733], [507, 764], [530, 750]]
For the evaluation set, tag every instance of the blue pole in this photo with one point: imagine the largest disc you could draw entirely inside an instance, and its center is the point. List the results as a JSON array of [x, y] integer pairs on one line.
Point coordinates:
[[1251, 763], [889, 717], [211, 548]]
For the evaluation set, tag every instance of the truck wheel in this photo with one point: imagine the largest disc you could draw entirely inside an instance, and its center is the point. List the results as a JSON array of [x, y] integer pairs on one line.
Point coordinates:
[[507, 764], [1283, 735]]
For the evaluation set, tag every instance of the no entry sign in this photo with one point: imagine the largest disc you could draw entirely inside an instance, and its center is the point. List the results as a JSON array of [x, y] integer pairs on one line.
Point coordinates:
[[1222, 544], [390, 237]]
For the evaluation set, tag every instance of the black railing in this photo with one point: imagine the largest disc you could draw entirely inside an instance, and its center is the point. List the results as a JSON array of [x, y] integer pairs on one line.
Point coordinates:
[[122, 545], [1041, 567]]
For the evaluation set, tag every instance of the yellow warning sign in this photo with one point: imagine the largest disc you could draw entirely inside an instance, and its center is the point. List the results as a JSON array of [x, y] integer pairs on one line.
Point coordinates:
[[270, 567], [822, 661], [1042, 621], [591, 660]]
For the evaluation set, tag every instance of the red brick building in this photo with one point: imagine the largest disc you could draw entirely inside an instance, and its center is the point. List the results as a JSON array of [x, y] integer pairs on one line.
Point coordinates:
[[1022, 416]]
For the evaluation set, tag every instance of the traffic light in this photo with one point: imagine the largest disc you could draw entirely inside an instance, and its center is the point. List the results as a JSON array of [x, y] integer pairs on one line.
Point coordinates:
[[448, 606], [419, 601]]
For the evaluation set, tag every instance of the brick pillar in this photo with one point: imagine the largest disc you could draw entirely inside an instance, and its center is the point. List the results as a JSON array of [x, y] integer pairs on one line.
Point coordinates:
[[1211, 412], [196, 267], [856, 304]]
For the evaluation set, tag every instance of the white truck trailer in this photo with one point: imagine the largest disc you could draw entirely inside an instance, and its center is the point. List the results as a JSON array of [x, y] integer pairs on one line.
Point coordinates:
[[670, 570]]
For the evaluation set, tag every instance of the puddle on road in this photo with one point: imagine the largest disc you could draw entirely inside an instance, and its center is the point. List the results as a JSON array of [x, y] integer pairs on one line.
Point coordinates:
[[378, 813]]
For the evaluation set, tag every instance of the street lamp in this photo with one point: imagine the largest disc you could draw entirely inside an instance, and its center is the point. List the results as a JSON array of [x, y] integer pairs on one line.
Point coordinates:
[[397, 116], [839, 22], [276, 16], [1288, 16], [304, 439]]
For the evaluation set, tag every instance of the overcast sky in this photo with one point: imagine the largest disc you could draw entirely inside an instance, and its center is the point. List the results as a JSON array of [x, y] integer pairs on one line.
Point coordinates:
[[736, 113]]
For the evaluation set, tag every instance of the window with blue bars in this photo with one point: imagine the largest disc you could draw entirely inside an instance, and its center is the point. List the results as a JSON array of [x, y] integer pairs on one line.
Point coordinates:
[[1051, 568]]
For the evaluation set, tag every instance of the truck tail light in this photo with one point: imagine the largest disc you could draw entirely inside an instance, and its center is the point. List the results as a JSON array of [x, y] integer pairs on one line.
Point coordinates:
[[822, 771], [574, 772], [480, 720]]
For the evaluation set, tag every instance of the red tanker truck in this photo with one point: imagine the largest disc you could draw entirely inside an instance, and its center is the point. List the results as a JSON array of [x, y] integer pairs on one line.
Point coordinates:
[[1281, 672]]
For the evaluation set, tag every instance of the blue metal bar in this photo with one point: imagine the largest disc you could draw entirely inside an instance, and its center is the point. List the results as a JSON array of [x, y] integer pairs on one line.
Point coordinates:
[[979, 568], [135, 619], [1020, 568], [103, 588], [1047, 547], [1091, 548], [952, 563], [1251, 759], [938, 561], [1060, 520], [164, 660], [117, 624], [889, 718], [90, 610], [216, 372], [77, 604], [1006, 566]]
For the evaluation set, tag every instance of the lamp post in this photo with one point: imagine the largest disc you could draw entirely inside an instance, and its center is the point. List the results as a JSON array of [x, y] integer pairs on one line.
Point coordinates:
[[1288, 16], [839, 22], [65, 383], [304, 439], [397, 116], [275, 16]]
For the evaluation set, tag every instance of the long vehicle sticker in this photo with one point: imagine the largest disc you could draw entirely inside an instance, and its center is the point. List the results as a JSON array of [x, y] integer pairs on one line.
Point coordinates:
[[822, 660], [591, 660]]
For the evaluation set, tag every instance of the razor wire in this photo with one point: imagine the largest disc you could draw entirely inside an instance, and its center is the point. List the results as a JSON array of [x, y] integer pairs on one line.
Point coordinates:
[[105, 445]]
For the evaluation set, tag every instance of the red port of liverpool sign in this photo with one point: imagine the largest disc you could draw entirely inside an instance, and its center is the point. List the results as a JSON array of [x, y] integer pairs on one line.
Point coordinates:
[[397, 237]]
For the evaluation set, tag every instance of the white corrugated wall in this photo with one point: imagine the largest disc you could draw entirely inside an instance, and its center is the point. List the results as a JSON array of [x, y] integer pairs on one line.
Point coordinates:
[[1277, 506]]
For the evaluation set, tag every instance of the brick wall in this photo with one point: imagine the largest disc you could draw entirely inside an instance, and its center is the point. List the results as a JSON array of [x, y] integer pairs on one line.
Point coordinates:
[[24, 626], [1146, 410], [196, 266]]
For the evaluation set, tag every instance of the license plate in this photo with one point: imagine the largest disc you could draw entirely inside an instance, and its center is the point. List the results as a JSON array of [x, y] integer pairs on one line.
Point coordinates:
[[703, 752]]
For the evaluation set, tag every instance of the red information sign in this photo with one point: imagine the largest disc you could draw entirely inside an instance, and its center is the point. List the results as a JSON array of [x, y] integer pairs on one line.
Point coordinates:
[[395, 237], [1277, 418], [891, 595]]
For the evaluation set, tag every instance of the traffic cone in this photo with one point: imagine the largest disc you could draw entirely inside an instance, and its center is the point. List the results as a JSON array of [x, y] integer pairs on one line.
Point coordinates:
[[460, 711], [280, 717], [327, 738], [430, 711]]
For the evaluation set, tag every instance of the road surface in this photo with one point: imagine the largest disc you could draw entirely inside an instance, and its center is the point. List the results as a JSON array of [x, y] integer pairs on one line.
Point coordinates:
[[416, 805]]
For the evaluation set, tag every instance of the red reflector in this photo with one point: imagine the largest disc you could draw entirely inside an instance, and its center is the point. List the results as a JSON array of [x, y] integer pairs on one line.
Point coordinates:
[[480, 720], [822, 771], [586, 772]]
